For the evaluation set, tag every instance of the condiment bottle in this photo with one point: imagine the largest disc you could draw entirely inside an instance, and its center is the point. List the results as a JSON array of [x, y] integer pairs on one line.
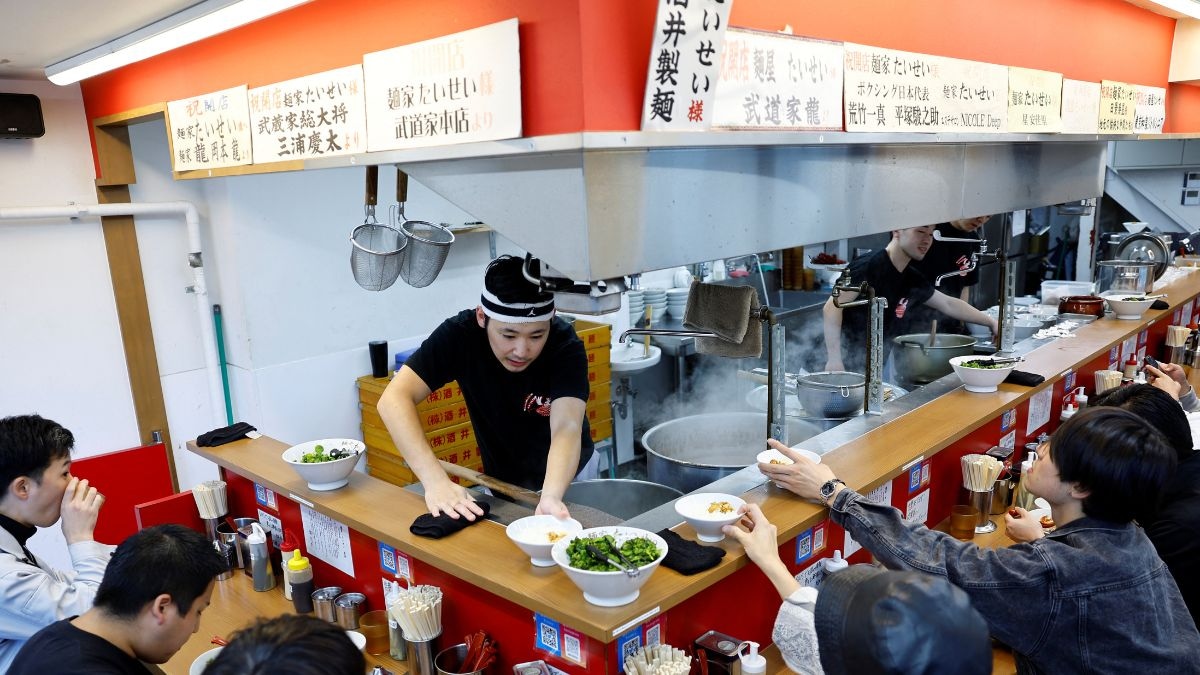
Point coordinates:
[[1068, 412], [286, 547], [1081, 398], [300, 578], [260, 559], [1024, 498], [752, 662], [1131, 367], [835, 564]]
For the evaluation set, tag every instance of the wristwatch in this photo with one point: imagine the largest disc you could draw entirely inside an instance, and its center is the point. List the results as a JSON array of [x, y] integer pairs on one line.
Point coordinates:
[[828, 487]]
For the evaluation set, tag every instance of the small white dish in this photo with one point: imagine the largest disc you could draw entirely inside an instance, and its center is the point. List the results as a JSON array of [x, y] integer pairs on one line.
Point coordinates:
[[201, 662], [708, 512], [358, 639], [536, 535], [773, 456]]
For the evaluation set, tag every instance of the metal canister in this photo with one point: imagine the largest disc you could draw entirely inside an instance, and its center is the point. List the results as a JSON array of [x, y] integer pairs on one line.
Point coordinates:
[[323, 602], [348, 607]]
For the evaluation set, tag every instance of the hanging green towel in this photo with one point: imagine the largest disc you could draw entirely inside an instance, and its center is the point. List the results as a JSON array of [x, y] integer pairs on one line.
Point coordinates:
[[724, 311]]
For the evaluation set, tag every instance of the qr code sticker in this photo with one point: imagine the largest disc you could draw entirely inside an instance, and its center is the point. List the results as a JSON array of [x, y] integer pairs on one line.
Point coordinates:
[[629, 649], [804, 546], [403, 566], [819, 538], [572, 649], [654, 635], [389, 558], [548, 637]]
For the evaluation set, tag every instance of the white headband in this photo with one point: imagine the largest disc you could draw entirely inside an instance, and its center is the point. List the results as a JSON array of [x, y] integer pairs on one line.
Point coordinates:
[[516, 312]]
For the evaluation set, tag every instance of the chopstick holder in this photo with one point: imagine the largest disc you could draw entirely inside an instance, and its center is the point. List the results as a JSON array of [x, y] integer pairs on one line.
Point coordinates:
[[436, 527], [1024, 379], [686, 556]]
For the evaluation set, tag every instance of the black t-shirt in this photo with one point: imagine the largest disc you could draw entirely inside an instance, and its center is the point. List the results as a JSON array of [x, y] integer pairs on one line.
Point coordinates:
[[63, 649], [904, 292], [510, 412], [1175, 530], [943, 257]]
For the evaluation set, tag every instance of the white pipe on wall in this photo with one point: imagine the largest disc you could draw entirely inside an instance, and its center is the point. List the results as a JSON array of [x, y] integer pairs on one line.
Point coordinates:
[[191, 218]]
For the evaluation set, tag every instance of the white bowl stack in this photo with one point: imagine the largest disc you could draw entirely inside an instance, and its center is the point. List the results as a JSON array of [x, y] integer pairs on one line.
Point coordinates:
[[677, 301], [637, 306], [655, 298]]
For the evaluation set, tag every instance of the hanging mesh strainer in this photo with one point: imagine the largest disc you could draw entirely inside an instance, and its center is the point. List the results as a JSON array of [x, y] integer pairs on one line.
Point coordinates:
[[377, 254], [428, 246]]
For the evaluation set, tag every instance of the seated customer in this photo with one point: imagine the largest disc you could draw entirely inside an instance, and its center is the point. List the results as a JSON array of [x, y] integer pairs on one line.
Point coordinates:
[[867, 620], [1091, 596], [149, 604], [1171, 378], [36, 488], [292, 644]]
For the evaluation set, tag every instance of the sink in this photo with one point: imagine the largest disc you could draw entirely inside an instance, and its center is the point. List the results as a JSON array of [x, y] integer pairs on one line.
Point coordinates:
[[631, 358]]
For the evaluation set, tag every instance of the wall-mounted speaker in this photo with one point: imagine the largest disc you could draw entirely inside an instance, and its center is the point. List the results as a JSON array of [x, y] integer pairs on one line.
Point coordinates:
[[21, 116]]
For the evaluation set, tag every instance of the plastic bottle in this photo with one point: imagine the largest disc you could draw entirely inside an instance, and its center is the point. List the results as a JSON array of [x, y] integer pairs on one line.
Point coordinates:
[[300, 578], [1068, 411], [260, 559], [1131, 368], [1081, 398], [753, 662], [286, 547], [1024, 498], [835, 564]]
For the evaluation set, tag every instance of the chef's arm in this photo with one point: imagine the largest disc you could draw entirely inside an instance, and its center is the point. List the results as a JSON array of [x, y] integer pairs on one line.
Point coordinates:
[[398, 408], [960, 310], [831, 316], [562, 462]]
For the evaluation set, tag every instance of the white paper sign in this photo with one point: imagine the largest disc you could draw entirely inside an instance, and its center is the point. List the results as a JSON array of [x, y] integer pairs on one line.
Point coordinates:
[[1034, 101], [881, 494], [1150, 109], [685, 61], [918, 508], [849, 546], [327, 539], [1080, 107], [1118, 106], [888, 90], [210, 131], [1039, 410], [773, 81], [458, 88], [320, 115]]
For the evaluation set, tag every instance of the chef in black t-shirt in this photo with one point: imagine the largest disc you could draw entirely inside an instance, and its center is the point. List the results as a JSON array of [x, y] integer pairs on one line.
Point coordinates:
[[523, 374], [889, 272], [945, 257]]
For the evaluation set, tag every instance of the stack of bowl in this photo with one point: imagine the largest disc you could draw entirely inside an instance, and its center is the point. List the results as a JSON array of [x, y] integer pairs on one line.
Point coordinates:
[[637, 306], [656, 298], [677, 301]]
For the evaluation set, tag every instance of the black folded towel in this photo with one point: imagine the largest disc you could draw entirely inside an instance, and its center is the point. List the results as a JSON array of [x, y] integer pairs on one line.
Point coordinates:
[[1159, 304], [1024, 379], [688, 557], [224, 435], [436, 527]]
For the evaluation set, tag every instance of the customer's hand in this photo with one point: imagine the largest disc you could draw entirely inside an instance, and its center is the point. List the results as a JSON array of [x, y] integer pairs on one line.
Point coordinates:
[[80, 508], [762, 547], [1022, 528], [452, 499], [803, 477], [1169, 377]]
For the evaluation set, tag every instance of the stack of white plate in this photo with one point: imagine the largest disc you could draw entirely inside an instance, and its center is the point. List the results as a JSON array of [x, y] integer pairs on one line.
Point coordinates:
[[657, 299], [677, 301], [637, 306]]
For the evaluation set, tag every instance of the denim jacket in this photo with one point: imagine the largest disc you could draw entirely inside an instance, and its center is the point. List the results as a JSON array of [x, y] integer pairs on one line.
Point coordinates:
[[1092, 596]]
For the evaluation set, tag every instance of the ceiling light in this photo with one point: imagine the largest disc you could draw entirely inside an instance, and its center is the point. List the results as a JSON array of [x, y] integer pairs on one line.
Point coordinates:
[[200, 21]]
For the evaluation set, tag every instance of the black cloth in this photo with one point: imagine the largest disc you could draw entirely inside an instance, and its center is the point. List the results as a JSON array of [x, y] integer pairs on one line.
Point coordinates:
[[1175, 531], [63, 649], [1159, 304], [943, 257], [904, 291], [21, 533], [436, 527], [1024, 379], [224, 435], [510, 412], [688, 557]]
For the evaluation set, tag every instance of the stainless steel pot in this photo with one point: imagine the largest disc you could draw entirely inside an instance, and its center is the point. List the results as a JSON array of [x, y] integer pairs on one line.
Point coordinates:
[[836, 393], [916, 362], [620, 497], [690, 452]]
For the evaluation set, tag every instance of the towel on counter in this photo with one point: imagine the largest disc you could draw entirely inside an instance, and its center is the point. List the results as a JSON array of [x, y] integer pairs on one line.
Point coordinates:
[[724, 311], [224, 435], [688, 557], [436, 527], [1024, 379], [1160, 304]]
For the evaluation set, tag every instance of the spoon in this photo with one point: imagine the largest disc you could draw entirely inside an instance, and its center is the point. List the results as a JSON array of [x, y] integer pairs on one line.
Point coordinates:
[[596, 553]]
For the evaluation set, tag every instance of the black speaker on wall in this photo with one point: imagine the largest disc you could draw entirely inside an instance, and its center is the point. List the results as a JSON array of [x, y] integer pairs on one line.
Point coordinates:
[[21, 116]]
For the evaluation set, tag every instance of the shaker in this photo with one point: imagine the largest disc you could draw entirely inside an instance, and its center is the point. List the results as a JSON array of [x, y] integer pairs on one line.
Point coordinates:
[[260, 558]]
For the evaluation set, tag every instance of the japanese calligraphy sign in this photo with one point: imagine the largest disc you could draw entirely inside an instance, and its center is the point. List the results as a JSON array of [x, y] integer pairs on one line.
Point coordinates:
[[1150, 109], [888, 90], [210, 131], [318, 115], [1118, 106], [775, 81], [457, 88], [1034, 101], [1080, 107], [685, 61]]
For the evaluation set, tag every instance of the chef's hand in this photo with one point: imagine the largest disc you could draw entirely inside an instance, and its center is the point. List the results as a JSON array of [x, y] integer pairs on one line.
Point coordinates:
[[80, 508], [834, 365], [1023, 528], [803, 477], [451, 499], [551, 506], [994, 326], [1170, 378]]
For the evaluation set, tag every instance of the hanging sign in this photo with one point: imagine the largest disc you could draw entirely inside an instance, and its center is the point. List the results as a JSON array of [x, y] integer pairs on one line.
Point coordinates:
[[1118, 105], [1150, 109], [685, 62], [320, 115], [1034, 101], [458, 88], [775, 81], [1080, 107], [889, 90], [210, 131]]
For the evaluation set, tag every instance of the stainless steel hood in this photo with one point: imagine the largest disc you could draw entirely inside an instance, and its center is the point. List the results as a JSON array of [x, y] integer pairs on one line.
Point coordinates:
[[603, 205]]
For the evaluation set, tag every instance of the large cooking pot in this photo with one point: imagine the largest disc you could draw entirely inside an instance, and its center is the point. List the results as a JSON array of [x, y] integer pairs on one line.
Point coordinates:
[[916, 362], [836, 393], [621, 497], [690, 452]]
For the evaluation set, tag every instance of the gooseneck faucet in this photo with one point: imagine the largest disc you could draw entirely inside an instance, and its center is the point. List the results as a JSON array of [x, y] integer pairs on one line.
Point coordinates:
[[1004, 322], [873, 401]]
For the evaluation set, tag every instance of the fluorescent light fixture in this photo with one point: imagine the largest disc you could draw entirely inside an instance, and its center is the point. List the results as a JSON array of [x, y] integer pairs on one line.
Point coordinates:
[[200, 21]]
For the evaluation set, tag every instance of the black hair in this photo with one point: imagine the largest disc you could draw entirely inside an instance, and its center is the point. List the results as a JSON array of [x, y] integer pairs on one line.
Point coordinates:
[[290, 644], [1158, 408], [163, 559], [28, 445], [1119, 458], [505, 279]]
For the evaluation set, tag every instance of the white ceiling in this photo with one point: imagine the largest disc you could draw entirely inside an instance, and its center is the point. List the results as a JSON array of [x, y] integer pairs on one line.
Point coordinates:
[[37, 33]]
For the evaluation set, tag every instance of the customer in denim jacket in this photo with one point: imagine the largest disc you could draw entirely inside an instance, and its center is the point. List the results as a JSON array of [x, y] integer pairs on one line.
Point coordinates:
[[1092, 596]]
